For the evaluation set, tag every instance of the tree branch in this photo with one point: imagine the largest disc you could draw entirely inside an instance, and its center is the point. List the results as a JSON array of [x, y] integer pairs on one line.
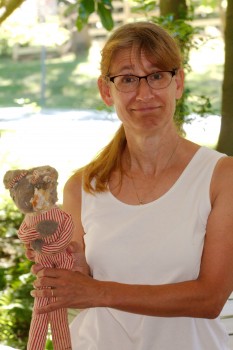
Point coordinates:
[[9, 7]]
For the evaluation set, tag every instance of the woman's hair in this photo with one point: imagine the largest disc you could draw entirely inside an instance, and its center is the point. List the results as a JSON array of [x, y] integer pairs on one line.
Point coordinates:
[[148, 37], [159, 47]]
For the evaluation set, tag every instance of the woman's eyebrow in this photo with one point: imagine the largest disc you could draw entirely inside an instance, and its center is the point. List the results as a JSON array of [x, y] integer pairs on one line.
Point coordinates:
[[125, 69]]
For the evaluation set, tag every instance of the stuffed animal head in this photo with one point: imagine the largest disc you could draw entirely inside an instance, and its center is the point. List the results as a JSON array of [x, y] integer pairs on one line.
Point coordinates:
[[32, 190]]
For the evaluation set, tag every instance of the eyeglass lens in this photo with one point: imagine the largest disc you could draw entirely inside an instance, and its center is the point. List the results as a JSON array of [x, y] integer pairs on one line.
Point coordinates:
[[129, 83]]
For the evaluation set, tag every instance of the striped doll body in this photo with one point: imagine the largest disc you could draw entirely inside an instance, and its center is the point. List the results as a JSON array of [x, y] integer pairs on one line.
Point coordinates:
[[52, 254]]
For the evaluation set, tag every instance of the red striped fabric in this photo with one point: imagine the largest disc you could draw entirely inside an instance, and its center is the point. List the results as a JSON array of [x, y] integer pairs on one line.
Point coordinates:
[[16, 179], [54, 243], [53, 255]]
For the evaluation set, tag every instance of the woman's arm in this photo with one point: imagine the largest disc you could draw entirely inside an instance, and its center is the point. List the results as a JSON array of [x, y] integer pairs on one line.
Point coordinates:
[[72, 205], [72, 198], [202, 298]]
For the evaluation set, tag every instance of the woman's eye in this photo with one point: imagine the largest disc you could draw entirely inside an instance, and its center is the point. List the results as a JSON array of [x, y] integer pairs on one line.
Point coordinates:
[[128, 79], [156, 76]]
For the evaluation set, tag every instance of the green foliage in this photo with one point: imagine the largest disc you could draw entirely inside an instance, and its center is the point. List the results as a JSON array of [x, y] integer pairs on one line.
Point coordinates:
[[85, 8], [144, 7], [15, 281], [49, 343], [189, 105], [184, 33], [5, 47], [104, 9]]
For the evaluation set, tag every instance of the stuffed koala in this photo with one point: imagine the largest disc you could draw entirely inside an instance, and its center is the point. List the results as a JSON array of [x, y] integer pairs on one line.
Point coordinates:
[[48, 230]]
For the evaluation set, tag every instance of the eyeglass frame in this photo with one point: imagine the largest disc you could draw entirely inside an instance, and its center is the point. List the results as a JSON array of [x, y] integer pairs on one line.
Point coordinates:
[[172, 72]]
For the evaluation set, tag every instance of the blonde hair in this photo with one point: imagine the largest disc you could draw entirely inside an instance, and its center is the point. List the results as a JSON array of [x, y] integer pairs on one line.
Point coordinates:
[[157, 45], [148, 37]]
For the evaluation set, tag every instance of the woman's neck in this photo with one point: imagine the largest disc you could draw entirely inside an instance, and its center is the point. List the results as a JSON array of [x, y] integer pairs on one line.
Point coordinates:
[[150, 155]]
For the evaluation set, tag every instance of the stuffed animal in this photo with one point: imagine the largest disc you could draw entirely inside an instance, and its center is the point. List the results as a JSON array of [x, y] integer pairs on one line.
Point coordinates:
[[48, 230]]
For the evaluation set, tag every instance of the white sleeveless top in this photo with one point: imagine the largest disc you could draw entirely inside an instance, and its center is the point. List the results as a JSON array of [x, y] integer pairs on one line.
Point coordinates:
[[157, 243]]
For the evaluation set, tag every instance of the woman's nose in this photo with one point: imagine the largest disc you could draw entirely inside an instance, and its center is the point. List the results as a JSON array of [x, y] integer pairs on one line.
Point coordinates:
[[144, 91]]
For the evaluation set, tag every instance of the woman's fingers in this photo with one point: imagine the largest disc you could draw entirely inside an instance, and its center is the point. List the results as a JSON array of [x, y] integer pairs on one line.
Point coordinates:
[[36, 268], [77, 251], [51, 278], [75, 247], [29, 252]]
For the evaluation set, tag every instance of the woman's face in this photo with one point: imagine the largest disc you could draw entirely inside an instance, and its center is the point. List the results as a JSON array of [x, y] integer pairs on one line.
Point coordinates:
[[145, 109]]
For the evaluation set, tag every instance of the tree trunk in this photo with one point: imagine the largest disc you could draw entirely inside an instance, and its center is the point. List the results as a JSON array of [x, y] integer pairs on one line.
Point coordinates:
[[222, 15], [225, 143], [177, 7]]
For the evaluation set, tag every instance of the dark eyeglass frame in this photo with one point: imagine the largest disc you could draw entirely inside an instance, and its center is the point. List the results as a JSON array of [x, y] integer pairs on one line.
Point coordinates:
[[172, 72]]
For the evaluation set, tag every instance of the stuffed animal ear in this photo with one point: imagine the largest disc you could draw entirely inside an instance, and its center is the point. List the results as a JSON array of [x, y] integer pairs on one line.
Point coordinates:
[[43, 174], [50, 174], [11, 177]]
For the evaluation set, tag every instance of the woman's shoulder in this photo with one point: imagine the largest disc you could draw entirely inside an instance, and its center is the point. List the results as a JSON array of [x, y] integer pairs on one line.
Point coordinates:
[[74, 183], [224, 168], [72, 192], [222, 180]]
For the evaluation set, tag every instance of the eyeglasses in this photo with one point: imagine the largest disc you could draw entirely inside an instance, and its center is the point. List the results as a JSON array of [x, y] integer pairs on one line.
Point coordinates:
[[157, 80]]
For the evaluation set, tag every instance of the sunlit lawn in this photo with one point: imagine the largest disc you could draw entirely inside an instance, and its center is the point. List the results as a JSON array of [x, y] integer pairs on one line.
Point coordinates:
[[68, 83]]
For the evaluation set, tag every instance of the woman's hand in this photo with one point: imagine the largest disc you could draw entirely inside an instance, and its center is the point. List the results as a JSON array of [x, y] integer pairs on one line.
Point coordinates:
[[71, 289]]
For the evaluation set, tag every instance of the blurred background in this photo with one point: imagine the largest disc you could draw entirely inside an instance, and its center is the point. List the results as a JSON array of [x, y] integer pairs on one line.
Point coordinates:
[[51, 111]]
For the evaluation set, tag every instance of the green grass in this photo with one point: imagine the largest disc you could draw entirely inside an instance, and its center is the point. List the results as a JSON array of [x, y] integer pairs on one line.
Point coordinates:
[[71, 84], [66, 85]]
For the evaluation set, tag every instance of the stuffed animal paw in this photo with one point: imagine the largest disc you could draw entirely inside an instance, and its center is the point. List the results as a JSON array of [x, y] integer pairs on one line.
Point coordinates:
[[47, 227]]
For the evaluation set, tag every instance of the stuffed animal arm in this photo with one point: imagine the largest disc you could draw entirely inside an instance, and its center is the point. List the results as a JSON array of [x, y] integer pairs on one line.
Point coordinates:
[[50, 241]]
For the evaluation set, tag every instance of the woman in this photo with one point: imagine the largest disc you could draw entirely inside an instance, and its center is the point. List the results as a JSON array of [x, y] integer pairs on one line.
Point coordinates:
[[153, 212]]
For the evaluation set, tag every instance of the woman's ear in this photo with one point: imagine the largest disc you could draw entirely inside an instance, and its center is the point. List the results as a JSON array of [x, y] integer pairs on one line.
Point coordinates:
[[105, 92], [179, 83]]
